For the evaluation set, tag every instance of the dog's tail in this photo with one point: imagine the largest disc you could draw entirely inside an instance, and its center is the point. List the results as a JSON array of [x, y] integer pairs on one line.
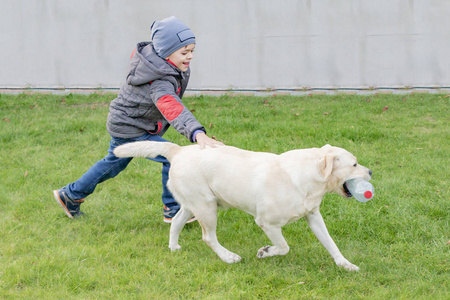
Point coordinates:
[[147, 149]]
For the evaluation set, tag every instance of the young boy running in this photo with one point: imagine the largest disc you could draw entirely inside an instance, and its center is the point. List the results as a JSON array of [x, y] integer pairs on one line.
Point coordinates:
[[145, 107]]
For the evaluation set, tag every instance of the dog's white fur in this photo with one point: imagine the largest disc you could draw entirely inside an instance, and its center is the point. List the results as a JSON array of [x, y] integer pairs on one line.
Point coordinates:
[[275, 189]]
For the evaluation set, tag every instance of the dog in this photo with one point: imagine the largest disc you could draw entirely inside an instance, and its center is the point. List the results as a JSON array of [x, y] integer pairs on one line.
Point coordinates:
[[275, 189]]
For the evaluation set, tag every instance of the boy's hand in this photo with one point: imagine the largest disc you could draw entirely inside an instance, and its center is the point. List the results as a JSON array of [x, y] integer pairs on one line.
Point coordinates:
[[204, 141]]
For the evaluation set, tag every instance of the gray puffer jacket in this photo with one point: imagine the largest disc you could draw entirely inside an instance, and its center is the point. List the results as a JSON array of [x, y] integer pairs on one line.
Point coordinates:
[[150, 101]]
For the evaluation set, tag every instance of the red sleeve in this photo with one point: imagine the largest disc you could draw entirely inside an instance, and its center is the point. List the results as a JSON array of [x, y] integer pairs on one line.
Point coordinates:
[[169, 107]]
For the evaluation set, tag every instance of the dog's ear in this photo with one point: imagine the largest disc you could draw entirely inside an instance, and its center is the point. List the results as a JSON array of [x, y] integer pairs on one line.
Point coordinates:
[[326, 165]]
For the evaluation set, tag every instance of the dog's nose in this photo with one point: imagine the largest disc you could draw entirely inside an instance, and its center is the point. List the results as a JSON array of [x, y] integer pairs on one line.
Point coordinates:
[[370, 172]]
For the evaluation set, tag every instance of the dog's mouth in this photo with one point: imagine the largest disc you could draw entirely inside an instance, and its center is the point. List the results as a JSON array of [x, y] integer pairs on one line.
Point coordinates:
[[346, 190]]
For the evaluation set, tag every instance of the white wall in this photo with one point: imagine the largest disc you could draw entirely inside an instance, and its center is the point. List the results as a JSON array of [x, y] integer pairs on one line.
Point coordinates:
[[240, 43]]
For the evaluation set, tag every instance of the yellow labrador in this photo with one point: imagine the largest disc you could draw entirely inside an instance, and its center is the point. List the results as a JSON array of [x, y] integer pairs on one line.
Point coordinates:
[[275, 189]]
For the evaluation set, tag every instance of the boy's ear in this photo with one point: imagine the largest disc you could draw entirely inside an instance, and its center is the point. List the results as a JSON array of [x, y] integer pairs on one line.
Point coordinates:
[[326, 165]]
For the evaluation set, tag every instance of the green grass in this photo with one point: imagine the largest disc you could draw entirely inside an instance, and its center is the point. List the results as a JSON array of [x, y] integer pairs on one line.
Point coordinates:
[[119, 250]]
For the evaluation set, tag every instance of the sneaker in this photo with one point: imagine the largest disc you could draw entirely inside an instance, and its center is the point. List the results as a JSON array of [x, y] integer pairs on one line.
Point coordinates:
[[71, 207], [169, 214]]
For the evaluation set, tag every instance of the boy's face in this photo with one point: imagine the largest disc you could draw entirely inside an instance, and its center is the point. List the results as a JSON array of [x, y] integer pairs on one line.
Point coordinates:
[[182, 57]]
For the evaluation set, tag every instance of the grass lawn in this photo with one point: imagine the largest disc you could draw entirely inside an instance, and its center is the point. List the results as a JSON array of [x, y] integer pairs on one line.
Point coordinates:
[[400, 239]]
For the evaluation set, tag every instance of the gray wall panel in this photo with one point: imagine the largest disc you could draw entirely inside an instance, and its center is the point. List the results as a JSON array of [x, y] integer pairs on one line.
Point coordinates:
[[240, 44]]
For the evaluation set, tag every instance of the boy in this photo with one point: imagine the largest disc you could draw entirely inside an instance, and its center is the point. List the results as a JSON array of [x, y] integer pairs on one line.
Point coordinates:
[[145, 107]]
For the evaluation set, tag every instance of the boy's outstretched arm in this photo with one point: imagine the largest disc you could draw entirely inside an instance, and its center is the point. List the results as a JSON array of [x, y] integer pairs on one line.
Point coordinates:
[[204, 141]]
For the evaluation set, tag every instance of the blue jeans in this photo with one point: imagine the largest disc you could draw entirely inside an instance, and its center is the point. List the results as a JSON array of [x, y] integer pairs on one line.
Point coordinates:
[[111, 166]]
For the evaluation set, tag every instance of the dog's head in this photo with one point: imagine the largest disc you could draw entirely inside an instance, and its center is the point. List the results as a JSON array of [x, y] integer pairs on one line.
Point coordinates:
[[337, 166]]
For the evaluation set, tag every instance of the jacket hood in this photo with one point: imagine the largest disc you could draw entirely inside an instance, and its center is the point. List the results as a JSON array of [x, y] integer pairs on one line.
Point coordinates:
[[146, 65]]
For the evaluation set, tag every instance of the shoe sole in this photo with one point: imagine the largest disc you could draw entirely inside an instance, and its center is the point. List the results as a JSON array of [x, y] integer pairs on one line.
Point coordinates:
[[58, 199]]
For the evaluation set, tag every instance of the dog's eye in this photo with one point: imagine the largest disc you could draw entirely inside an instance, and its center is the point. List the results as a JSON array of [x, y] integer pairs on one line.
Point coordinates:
[[355, 165]]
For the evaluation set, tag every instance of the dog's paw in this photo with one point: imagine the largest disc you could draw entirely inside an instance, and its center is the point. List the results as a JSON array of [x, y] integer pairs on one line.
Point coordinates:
[[351, 267], [268, 251], [264, 252], [231, 258], [174, 248], [347, 265]]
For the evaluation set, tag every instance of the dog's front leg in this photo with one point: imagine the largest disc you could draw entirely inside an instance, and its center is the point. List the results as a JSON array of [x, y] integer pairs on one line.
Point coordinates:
[[317, 225]]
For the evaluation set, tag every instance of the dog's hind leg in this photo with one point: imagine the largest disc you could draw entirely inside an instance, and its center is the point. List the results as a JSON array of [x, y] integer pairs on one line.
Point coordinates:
[[280, 247], [207, 217], [177, 225]]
